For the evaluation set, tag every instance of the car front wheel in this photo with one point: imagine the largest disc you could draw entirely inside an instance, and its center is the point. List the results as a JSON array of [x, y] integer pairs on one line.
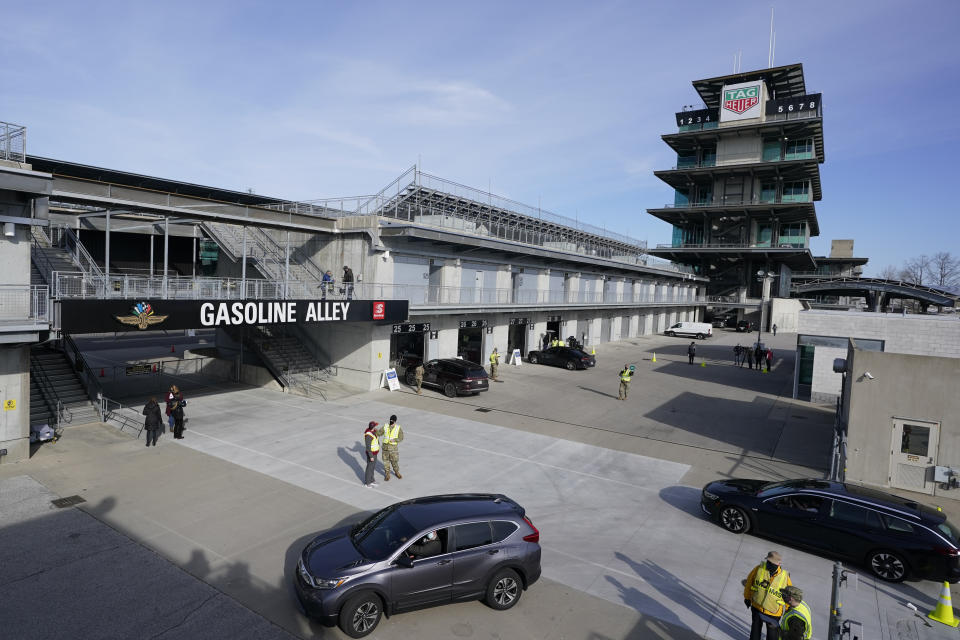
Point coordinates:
[[734, 519], [361, 615], [504, 590], [450, 390], [700, 336], [411, 380], [887, 565], [534, 359], [670, 333]]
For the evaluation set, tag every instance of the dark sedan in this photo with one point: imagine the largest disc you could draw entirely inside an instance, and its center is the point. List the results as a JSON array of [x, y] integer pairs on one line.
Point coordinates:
[[563, 357], [892, 536]]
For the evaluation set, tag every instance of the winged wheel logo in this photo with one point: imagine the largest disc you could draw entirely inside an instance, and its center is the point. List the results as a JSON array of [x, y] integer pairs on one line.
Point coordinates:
[[143, 316]]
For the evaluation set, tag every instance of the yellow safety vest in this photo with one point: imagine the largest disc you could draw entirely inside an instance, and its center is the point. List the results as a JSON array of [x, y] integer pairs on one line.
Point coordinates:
[[390, 435], [494, 357], [800, 611], [625, 375], [375, 443], [766, 590]]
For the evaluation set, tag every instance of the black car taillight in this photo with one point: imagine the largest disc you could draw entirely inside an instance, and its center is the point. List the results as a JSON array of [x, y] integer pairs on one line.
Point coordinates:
[[531, 537], [950, 552]]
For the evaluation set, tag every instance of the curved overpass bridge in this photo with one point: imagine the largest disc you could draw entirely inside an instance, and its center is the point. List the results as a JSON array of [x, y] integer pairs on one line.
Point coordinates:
[[878, 291]]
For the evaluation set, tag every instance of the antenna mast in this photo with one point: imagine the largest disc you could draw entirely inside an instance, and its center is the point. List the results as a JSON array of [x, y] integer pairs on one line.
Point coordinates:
[[770, 46]]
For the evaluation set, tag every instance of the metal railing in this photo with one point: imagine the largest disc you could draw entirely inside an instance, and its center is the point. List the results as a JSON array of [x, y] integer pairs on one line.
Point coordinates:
[[123, 417], [57, 413], [13, 142], [77, 285], [89, 381], [740, 202], [24, 304], [719, 245], [81, 257]]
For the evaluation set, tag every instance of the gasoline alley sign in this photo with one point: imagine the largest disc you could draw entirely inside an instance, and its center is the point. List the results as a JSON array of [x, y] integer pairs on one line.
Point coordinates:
[[94, 316]]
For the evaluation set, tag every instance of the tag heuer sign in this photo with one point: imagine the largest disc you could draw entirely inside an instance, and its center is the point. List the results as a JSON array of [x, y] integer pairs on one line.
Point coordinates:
[[740, 99]]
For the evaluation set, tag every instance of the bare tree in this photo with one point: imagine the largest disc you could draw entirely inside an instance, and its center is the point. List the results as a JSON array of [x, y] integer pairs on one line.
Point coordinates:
[[889, 272], [917, 270], [945, 270]]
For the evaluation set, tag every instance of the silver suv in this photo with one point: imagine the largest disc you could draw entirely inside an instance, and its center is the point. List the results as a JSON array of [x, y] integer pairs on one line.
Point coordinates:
[[418, 553]]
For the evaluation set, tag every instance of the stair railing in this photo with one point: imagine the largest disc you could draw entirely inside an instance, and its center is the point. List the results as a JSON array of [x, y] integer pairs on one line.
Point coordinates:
[[113, 411], [81, 257], [56, 410], [89, 381]]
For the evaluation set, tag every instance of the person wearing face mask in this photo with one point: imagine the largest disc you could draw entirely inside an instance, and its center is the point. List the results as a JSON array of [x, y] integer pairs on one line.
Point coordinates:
[[429, 545], [762, 595]]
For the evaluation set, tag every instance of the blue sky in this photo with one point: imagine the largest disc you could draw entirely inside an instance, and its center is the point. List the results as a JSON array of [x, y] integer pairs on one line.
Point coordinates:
[[561, 102]]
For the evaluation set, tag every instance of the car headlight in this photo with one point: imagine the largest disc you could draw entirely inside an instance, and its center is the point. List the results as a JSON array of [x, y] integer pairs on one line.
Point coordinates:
[[321, 583], [710, 496]]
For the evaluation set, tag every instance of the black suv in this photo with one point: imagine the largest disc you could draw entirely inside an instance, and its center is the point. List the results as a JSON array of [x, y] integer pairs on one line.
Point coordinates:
[[454, 376], [419, 553], [563, 357], [891, 535]]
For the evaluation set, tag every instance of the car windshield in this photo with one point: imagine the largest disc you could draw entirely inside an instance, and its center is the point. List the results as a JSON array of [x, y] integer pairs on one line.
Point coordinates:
[[787, 485], [383, 533]]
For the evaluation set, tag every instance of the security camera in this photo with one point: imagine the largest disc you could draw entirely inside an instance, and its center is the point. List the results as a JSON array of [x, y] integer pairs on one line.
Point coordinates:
[[868, 375]]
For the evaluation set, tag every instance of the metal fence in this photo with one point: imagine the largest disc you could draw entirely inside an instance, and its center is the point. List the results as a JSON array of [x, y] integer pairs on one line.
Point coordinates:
[[24, 304], [78, 285], [13, 142]]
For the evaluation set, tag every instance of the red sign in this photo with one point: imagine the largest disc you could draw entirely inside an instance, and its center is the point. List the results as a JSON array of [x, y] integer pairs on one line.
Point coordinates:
[[741, 105], [379, 310]]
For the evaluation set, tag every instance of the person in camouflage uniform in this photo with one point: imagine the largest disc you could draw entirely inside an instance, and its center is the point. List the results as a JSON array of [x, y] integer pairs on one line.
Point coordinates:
[[418, 377], [391, 435]]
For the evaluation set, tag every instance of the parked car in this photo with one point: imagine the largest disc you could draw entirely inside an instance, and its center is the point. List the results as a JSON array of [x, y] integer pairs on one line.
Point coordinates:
[[698, 330], [892, 536], [563, 357], [484, 548], [744, 326], [453, 376]]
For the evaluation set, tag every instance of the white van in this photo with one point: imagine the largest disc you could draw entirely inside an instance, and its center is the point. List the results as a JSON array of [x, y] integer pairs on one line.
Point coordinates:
[[699, 330]]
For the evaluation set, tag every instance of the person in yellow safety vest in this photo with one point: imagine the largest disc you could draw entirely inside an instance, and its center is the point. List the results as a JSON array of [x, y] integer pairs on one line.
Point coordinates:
[[371, 445], [762, 595], [797, 622], [625, 376], [494, 362], [391, 435]]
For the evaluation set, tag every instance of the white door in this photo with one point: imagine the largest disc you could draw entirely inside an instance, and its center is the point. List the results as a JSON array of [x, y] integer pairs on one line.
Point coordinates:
[[913, 454]]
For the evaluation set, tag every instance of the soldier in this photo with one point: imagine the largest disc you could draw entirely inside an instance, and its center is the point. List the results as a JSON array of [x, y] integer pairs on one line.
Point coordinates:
[[797, 622], [625, 376], [691, 351], [494, 363], [390, 436], [418, 377]]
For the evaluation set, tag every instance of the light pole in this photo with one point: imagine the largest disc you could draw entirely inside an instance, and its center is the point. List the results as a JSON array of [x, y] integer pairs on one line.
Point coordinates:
[[764, 277]]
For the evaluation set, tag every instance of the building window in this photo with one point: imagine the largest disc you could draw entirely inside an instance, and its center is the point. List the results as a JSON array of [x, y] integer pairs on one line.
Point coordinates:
[[768, 191], [687, 236], [709, 156], [793, 235], [771, 150], [799, 149], [686, 161], [798, 191], [764, 234], [680, 198], [704, 194]]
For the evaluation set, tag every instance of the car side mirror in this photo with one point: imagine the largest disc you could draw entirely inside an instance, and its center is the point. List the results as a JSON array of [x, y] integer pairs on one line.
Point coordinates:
[[405, 561]]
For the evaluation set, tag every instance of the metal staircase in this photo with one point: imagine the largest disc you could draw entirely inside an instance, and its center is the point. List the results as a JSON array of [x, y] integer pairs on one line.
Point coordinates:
[[267, 255], [287, 358], [56, 392]]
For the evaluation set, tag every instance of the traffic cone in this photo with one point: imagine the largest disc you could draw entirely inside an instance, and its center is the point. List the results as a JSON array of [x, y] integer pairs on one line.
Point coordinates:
[[154, 367], [944, 611], [593, 351], [654, 356], [173, 349], [101, 373], [703, 363]]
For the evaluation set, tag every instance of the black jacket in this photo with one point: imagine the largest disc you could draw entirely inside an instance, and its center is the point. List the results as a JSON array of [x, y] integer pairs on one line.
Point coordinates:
[[153, 420]]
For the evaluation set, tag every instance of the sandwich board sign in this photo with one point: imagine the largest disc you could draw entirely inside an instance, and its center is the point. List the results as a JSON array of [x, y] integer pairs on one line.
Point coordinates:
[[391, 378], [515, 358]]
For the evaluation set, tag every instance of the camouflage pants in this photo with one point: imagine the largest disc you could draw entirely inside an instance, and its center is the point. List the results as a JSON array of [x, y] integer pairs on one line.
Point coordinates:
[[493, 370], [624, 389], [419, 381], [391, 458]]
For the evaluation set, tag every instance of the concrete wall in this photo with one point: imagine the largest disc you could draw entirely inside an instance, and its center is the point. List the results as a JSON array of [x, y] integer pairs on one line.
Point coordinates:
[[784, 312], [916, 334], [15, 385], [903, 386]]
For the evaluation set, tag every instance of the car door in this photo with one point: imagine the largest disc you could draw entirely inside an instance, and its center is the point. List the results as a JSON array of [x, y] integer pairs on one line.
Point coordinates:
[[430, 372], [849, 530], [793, 517], [427, 582], [474, 557]]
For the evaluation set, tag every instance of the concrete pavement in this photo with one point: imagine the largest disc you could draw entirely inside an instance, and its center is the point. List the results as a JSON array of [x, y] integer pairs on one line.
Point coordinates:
[[613, 487]]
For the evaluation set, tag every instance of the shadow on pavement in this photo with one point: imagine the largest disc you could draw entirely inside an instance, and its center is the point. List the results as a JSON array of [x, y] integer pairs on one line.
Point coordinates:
[[353, 458], [685, 595]]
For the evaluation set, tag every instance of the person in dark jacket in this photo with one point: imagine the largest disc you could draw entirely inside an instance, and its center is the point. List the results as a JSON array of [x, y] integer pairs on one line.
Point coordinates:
[[175, 405], [348, 281], [758, 356], [749, 357], [153, 421], [691, 351]]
